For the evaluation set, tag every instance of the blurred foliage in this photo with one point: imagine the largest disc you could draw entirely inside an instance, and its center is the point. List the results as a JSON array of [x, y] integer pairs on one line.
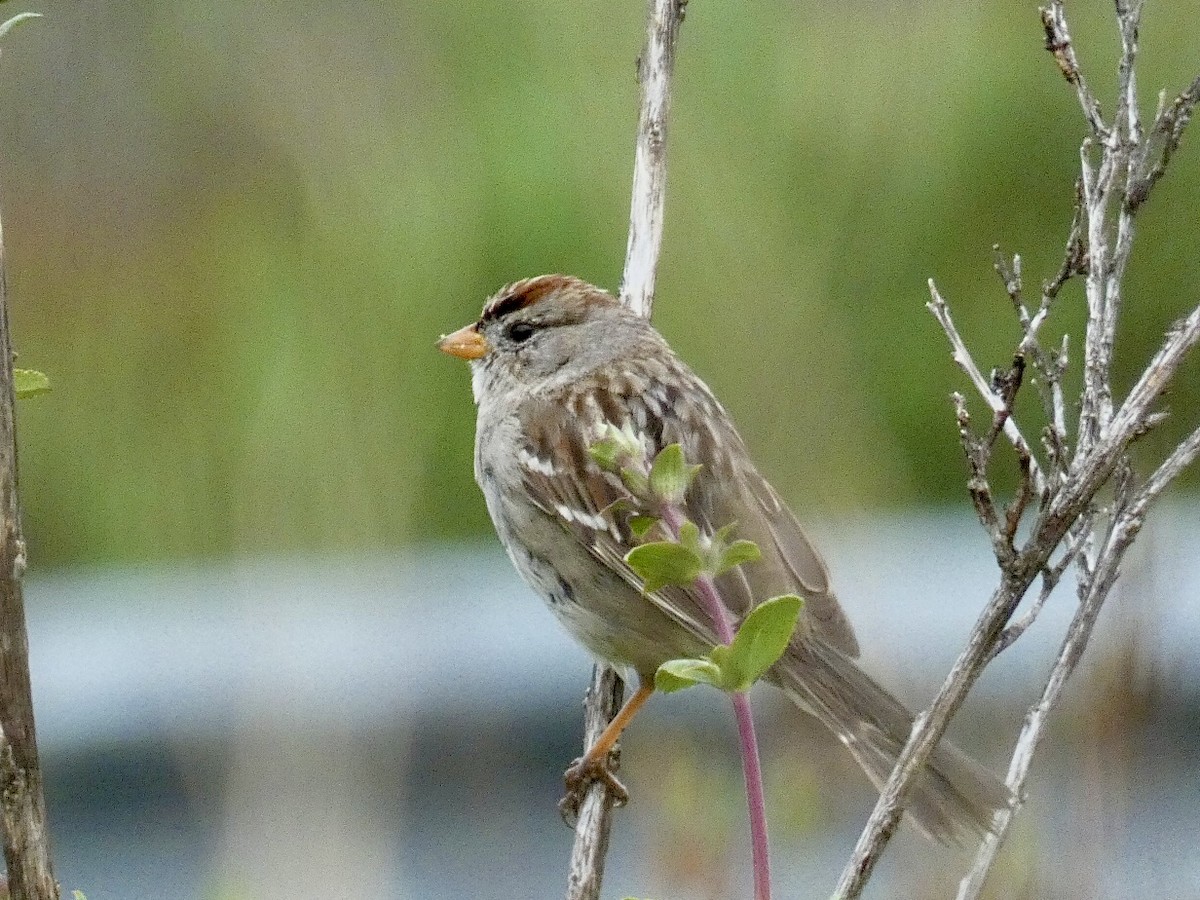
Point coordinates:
[[235, 230]]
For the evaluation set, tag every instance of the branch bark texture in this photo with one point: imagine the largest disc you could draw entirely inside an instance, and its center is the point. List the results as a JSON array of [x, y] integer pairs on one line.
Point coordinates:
[[26, 835], [1055, 505], [655, 68], [590, 849]]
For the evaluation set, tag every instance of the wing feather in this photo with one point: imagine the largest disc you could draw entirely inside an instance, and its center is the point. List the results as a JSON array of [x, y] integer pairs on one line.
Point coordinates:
[[564, 482]]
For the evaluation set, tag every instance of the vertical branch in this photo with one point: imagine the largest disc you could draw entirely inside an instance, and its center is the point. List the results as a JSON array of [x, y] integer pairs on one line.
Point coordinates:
[[655, 68], [26, 838], [602, 702]]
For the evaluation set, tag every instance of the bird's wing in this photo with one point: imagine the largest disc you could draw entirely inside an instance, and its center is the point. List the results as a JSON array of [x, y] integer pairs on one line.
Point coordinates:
[[566, 483]]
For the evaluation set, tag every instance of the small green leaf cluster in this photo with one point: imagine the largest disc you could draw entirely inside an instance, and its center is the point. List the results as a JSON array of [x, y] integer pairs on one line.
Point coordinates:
[[758, 644], [693, 554], [619, 449], [671, 476], [656, 490]]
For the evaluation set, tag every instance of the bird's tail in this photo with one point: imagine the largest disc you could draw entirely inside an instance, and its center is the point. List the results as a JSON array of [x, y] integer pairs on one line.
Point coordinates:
[[954, 799]]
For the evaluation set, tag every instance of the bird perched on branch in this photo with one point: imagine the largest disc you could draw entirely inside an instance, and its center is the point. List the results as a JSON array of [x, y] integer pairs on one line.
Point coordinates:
[[555, 364]]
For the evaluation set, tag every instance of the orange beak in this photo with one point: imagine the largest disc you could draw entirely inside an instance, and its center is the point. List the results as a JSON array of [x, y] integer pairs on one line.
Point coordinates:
[[466, 343]]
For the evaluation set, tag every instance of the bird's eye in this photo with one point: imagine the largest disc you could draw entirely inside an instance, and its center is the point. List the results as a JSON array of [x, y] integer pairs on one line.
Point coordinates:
[[520, 332]]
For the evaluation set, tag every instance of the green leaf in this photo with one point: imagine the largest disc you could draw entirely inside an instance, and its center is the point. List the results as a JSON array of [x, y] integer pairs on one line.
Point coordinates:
[[30, 383], [615, 446], [628, 441], [605, 454], [689, 536], [635, 481], [677, 674], [621, 504], [760, 641], [670, 475], [661, 563], [723, 533], [640, 525], [720, 657], [735, 554]]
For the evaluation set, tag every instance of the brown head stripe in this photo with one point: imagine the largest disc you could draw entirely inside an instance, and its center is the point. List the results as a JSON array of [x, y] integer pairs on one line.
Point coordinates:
[[521, 294]]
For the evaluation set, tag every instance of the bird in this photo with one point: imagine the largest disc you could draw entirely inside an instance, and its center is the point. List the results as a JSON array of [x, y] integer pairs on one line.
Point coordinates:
[[557, 364]]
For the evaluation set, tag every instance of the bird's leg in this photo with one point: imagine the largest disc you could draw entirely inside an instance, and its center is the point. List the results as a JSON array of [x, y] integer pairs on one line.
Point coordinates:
[[594, 764]]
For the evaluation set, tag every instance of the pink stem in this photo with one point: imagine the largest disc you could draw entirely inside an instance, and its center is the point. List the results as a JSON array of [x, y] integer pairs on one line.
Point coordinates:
[[748, 740], [754, 797]]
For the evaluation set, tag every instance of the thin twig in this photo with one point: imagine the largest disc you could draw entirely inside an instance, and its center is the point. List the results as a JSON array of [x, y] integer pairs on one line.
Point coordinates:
[[1181, 457], [1077, 638], [1058, 42], [655, 68], [1051, 576], [1079, 632], [1015, 511], [977, 483], [1096, 405], [927, 730], [1055, 435], [1169, 126], [962, 357], [1066, 510]]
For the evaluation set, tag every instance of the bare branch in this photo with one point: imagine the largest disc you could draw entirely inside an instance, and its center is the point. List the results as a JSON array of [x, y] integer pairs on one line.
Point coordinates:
[[927, 731], [977, 484], [1078, 635], [650, 164], [1010, 275], [1127, 117], [1056, 431], [1050, 366], [655, 68], [1179, 340], [1096, 406], [26, 835], [1058, 42], [1015, 511], [1074, 256], [1112, 159], [1167, 132], [1093, 592], [1051, 576], [962, 357], [1182, 457], [602, 702]]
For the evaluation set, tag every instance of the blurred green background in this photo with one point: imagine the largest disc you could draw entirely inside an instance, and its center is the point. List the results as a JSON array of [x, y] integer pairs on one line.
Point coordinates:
[[234, 230]]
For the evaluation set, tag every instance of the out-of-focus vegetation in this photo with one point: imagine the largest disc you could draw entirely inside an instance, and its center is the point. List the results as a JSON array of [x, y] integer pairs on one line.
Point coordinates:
[[235, 229]]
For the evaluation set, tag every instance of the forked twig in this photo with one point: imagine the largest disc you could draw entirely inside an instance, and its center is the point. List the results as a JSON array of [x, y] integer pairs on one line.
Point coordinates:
[[1119, 164]]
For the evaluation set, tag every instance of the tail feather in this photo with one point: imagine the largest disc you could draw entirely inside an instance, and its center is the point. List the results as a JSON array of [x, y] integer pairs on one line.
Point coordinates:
[[953, 801]]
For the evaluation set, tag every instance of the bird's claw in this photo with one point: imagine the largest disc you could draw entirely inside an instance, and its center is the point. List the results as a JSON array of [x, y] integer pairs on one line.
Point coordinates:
[[580, 775]]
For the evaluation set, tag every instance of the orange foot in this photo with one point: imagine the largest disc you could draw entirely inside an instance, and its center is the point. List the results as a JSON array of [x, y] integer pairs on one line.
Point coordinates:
[[579, 776]]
